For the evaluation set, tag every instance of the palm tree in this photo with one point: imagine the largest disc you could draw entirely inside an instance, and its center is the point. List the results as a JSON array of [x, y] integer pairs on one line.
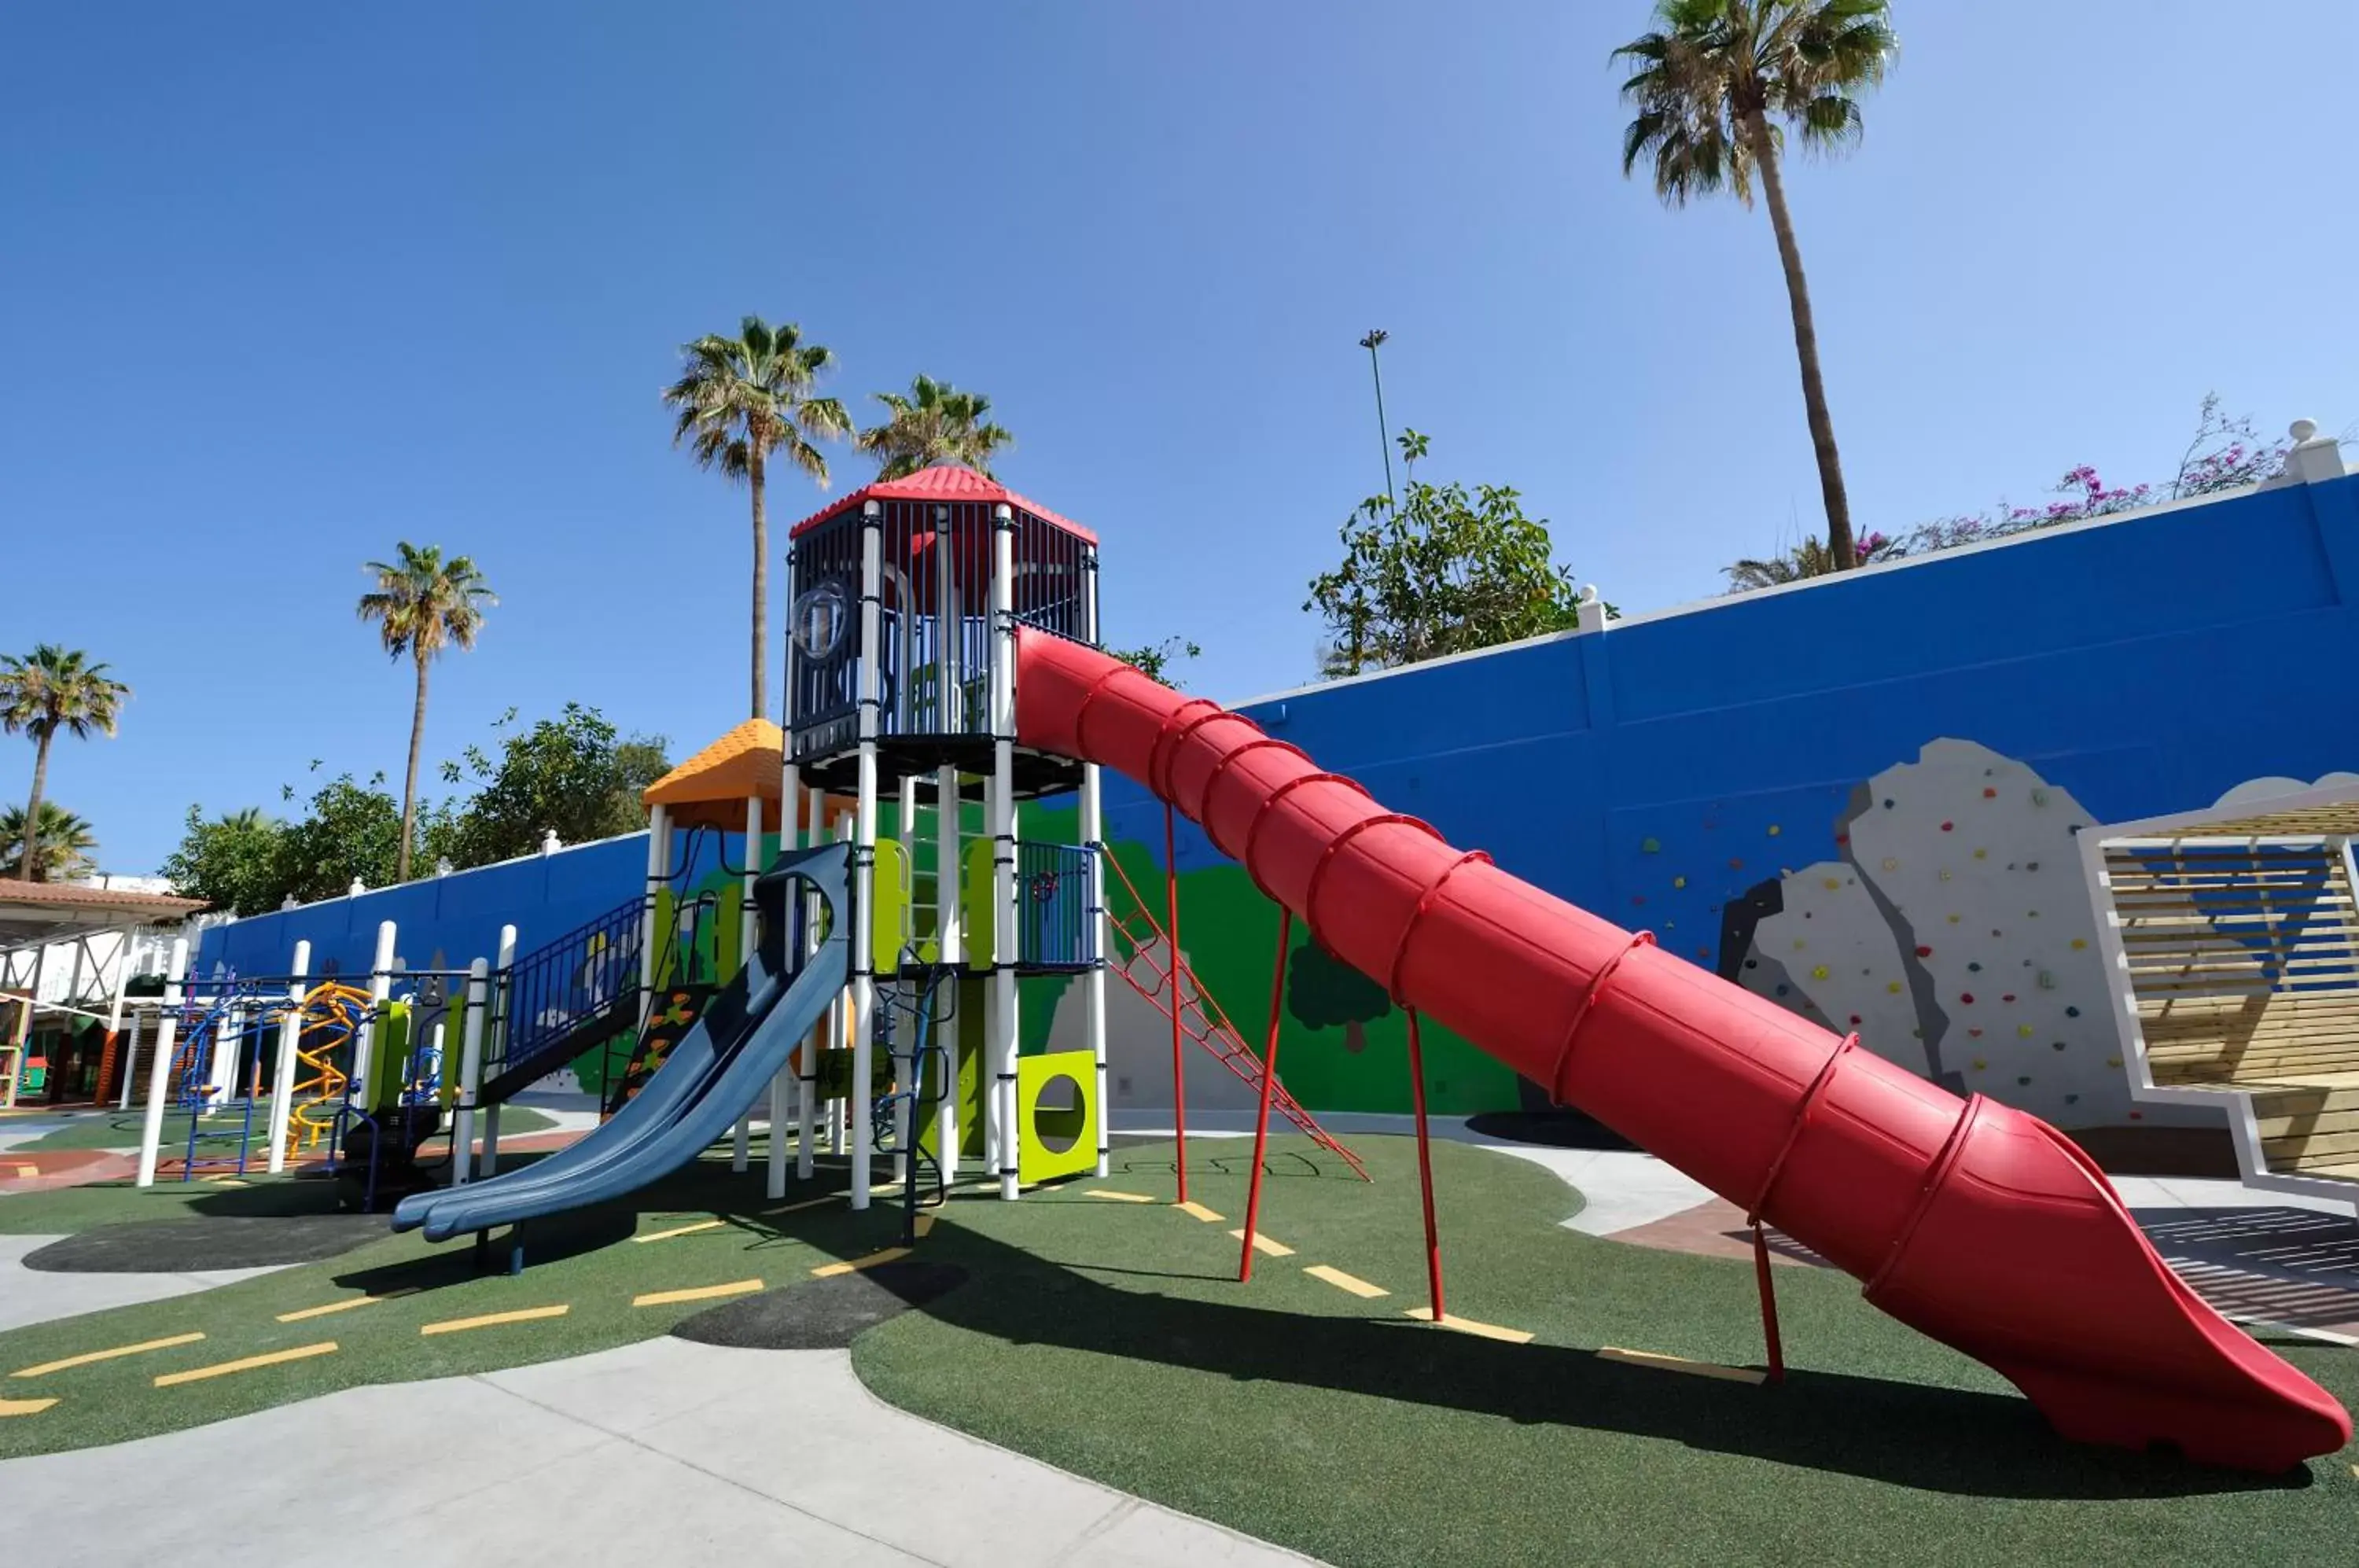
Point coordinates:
[[48, 690], [67, 848], [1709, 89], [740, 399], [1810, 558], [422, 604], [935, 423]]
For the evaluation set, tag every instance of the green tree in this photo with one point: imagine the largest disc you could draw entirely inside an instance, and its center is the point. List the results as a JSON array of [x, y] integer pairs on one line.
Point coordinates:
[[1711, 89], [50, 690], [422, 604], [66, 847], [233, 862], [739, 400], [1157, 660], [1324, 992], [1447, 570], [935, 423], [349, 830], [570, 775]]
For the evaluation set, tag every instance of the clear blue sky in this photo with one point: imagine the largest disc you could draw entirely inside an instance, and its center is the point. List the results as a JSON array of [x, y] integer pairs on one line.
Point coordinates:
[[286, 283]]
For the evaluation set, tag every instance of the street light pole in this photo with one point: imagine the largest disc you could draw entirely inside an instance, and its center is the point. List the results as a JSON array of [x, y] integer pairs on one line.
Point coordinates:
[[1374, 339]]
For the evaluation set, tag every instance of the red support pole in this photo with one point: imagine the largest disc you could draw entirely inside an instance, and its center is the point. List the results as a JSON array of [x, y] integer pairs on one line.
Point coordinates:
[[1769, 1305], [1424, 1164], [1269, 1078], [1171, 934]]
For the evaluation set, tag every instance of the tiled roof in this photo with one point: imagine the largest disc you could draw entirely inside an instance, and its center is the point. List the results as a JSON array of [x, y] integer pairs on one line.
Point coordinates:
[[943, 482]]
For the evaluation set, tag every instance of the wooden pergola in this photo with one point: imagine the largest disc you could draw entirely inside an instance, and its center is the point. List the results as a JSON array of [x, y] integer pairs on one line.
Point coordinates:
[[2233, 941]]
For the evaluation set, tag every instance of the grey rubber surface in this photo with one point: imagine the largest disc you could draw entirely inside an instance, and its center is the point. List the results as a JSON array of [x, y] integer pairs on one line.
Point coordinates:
[[823, 1314], [191, 1245]]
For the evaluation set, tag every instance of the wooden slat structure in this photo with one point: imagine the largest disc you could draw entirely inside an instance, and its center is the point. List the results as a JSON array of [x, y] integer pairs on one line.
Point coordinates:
[[2240, 943]]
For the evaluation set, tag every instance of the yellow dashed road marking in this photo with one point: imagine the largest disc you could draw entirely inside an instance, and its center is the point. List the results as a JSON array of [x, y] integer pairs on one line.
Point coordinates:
[[1116, 1197], [1343, 1281], [224, 1368], [680, 1230], [1682, 1364], [84, 1360], [806, 1203], [1199, 1210], [24, 1407], [29, 1171], [489, 1319], [1467, 1325], [700, 1293], [831, 1271], [346, 1306], [925, 1224], [1263, 1243]]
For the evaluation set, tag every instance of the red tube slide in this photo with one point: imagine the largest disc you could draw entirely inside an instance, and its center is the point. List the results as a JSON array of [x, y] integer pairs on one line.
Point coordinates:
[[1977, 1225]]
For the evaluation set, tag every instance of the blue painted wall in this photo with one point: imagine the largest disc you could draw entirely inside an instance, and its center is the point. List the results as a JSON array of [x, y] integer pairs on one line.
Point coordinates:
[[2145, 665]]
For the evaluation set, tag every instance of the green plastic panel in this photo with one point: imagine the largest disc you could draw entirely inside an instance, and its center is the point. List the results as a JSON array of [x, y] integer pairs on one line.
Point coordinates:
[[1056, 1100]]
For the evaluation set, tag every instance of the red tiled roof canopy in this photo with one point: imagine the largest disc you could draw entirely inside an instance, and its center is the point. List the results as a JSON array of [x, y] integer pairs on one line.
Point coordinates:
[[66, 896], [943, 482], [711, 788]]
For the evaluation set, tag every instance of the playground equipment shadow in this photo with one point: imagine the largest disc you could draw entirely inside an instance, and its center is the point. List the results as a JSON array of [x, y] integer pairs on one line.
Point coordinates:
[[1111, 1339]]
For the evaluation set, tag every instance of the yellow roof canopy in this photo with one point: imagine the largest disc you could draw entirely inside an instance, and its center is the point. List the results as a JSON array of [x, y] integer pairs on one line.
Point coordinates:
[[711, 788]]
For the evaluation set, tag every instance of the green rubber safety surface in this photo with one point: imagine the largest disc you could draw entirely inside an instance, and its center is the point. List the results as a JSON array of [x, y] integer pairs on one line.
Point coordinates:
[[1112, 1338]]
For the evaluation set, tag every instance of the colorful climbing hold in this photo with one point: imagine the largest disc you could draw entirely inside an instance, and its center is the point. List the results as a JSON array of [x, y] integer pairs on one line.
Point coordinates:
[[1947, 826], [1982, 855], [1989, 793], [2022, 1081], [1637, 898], [1830, 884], [1774, 830], [1892, 987], [2079, 942], [1980, 1065], [1923, 952], [1782, 990], [2072, 1012], [1820, 972], [1975, 966], [2008, 997], [1892, 863], [2023, 1031], [1650, 847], [1736, 865], [2055, 1045], [1679, 881], [1967, 998]]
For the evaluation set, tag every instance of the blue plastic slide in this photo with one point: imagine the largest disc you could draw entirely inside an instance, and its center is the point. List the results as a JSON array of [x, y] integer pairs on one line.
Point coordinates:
[[745, 1037]]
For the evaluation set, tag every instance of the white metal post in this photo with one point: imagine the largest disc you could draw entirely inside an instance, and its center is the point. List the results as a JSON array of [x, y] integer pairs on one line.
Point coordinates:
[[1010, 1137], [790, 832], [159, 1072], [290, 1043], [658, 873], [1093, 917], [1093, 926], [131, 1058], [950, 873], [864, 842], [380, 992], [471, 1072], [905, 829], [504, 991], [741, 1147]]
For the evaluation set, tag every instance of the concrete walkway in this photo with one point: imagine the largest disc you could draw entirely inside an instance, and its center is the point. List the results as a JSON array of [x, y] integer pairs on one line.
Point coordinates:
[[661, 1452], [36, 1295]]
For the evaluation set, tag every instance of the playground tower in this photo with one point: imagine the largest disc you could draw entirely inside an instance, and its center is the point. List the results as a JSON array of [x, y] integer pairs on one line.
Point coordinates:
[[906, 594]]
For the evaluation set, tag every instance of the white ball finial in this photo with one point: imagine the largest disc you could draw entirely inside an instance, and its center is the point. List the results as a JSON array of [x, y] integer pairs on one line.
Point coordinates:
[[1588, 594], [2303, 431]]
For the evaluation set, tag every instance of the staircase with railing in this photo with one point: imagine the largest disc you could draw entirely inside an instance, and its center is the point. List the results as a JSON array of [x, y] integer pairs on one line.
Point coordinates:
[[564, 998], [1138, 938]]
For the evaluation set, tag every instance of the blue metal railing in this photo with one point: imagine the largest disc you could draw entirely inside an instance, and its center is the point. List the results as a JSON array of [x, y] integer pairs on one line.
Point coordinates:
[[1053, 925], [550, 991]]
